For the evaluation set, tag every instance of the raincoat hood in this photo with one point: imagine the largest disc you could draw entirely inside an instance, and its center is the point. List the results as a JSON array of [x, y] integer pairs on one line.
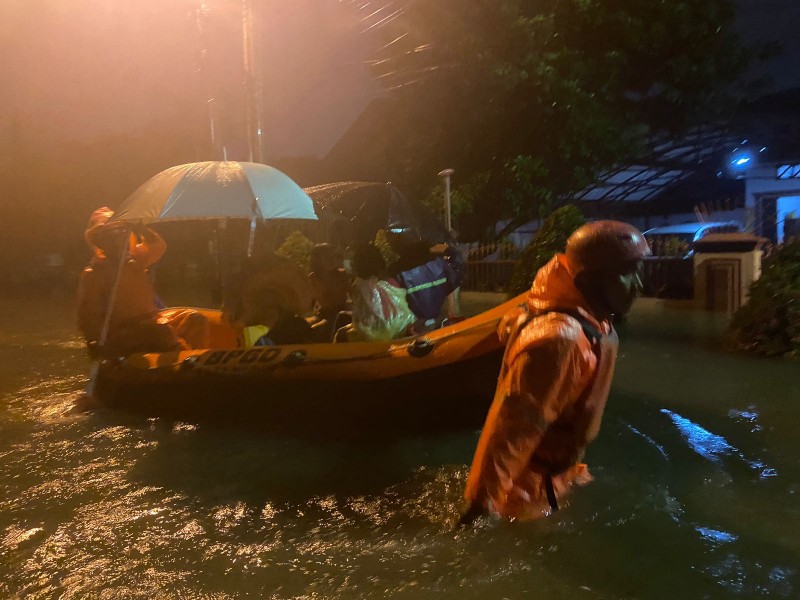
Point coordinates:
[[97, 221], [553, 290]]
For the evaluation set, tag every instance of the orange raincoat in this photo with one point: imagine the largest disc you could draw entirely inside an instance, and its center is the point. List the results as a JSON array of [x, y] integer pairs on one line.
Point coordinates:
[[549, 402], [136, 324]]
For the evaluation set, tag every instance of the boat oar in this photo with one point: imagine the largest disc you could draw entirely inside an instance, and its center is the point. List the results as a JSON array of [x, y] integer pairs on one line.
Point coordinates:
[[95, 369]]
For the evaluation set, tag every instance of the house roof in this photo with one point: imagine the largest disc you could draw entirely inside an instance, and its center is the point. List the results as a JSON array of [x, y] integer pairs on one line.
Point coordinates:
[[668, 163]]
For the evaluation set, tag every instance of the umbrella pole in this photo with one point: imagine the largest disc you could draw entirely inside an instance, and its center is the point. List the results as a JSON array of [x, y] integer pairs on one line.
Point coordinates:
[[95, 369], [217, 295], [253, 221]]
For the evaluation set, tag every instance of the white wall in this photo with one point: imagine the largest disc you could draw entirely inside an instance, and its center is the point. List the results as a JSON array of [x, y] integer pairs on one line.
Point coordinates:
[[763, 180], [786, 206]]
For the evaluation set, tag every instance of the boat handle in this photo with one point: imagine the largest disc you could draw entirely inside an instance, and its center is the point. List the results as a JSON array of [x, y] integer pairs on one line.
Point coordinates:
[[420, 347], [294, 358]]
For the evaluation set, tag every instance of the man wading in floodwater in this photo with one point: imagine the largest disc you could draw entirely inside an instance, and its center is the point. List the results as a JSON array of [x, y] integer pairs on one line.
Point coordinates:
[[555, 377]]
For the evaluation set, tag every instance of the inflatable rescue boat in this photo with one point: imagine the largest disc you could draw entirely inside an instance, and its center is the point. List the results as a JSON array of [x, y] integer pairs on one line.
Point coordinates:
[[443, 379]]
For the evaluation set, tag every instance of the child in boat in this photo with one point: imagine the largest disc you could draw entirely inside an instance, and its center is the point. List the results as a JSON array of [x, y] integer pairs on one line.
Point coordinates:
[[329, 288], [380, 309], [268, 301], [135, 324]]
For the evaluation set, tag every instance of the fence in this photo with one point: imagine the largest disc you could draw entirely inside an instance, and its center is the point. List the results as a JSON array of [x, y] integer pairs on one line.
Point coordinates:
[[668, 277], [488, 267]]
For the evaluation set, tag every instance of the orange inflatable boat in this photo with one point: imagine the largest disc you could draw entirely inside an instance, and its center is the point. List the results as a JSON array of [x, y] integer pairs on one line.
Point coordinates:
[[442, 380]]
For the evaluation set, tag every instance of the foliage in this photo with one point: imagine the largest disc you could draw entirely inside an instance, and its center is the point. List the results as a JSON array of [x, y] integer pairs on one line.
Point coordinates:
[[500, 250], [675, 246], [297, 248], [769, 324], [669, 246], [537, 97], [382, 243], [463, 198], [548, 241]]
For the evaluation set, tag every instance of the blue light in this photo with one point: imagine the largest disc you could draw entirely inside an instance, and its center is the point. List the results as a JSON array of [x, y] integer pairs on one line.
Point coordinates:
[[740, 160], [715, 535]]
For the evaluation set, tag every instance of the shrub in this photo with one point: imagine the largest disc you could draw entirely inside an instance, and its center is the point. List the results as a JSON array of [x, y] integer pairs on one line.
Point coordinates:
[[673, 246], [297, 248], [381, 242], [769, 324], [548, 241]]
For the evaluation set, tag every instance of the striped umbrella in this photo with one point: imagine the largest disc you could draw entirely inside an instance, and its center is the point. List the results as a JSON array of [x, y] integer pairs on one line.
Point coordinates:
[[216, 190]]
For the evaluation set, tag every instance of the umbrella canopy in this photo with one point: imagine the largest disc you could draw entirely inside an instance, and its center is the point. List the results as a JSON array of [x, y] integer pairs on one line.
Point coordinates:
[[216, 190], [367, 206]]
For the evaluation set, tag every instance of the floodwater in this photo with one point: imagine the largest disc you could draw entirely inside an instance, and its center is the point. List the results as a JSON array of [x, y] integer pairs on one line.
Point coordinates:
[[697, 490]]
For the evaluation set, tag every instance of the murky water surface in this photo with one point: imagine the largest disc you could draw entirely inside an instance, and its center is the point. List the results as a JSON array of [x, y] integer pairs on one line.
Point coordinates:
[[697, 491]]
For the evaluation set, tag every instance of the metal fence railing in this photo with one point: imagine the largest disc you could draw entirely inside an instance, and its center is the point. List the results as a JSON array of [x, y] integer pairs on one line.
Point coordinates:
[[488, 267], [668, 277], [488, 276]]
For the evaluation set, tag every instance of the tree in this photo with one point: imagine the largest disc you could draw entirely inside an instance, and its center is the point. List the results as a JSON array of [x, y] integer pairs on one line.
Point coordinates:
[[530, 99], [548, 241], [769, 324]]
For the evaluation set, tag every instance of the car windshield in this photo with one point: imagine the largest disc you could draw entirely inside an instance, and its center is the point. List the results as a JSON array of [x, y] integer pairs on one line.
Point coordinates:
[[670, 244]]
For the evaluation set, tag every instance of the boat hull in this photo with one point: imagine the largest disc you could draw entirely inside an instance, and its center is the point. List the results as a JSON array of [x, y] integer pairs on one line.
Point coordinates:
[[441, 381]]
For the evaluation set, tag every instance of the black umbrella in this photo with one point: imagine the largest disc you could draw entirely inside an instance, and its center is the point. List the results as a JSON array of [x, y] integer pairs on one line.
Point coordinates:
[[354, 211]]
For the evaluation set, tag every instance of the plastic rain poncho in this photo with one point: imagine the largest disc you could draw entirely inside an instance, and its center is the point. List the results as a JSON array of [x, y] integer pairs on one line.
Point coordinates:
[[380, 311]]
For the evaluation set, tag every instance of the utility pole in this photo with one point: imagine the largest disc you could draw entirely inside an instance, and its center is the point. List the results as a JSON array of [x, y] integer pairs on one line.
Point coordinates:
[[204, 77], [454, 298], [253, 84], [446, 175]]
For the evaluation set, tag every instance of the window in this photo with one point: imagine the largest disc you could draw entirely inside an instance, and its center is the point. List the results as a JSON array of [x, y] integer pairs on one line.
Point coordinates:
[[788, 171]]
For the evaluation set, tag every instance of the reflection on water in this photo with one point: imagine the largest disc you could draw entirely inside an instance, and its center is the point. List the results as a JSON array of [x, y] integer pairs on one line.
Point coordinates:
[[712, 446], [110, 505], [713, 535]]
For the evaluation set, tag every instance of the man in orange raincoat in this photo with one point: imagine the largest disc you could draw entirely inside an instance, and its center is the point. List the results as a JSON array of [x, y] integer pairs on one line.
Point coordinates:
[[556, 374], [135, 323]]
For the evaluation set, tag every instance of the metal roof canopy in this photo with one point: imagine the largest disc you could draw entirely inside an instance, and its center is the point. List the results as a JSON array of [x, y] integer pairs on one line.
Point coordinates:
[[669, 163]]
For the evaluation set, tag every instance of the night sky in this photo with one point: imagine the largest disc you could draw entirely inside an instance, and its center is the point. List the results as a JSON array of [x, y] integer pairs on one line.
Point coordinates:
[[75, 69], [774, 20]]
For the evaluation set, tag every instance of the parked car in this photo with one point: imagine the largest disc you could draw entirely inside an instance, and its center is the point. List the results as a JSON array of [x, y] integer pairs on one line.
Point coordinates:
[[678, 240]]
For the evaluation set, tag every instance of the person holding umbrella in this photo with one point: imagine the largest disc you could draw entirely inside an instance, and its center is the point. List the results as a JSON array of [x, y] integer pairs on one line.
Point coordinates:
[[116, 293]]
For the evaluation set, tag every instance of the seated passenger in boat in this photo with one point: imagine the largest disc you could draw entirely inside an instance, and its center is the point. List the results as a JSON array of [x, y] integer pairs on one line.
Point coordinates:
[[380, 309], [429, 275], [329, 288], [268, 301], [118, 271]]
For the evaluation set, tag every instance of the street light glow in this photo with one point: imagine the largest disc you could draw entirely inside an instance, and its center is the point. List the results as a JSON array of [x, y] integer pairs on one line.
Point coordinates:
[[741, 161]]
